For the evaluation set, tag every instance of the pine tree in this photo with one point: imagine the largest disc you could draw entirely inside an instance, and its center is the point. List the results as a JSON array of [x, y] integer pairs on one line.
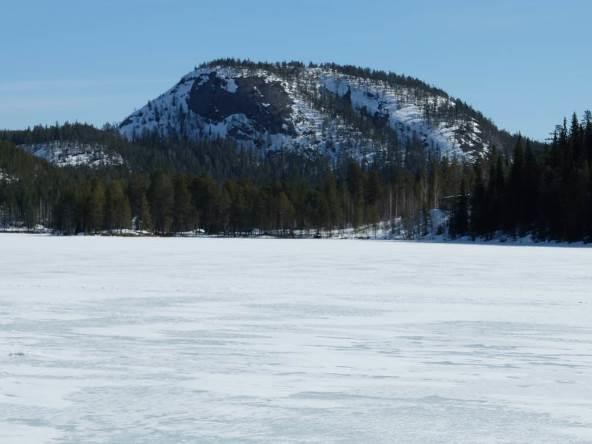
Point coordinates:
[[495, 194], [334, 209], [355, 184], [514, 191], [184, 213], [285, 212], [588, 136], [96, 207], [161, 199], [529, 191], [478, 205], [118, 208], [459, 223], [144, 216]]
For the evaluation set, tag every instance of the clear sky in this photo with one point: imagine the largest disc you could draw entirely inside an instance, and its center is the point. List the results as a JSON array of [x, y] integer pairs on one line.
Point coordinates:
[[524, 63]]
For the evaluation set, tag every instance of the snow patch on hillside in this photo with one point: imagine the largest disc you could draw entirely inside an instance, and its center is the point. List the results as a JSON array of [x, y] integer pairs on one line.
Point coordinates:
[[405, 113], [169, 115], [6, 178], [231, 85], [64, 154]]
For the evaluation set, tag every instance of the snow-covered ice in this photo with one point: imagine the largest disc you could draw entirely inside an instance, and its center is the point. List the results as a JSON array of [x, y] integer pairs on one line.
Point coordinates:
[[168, 340]]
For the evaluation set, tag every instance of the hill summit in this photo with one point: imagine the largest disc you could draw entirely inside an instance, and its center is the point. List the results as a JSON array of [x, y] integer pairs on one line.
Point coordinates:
[[324, 109]]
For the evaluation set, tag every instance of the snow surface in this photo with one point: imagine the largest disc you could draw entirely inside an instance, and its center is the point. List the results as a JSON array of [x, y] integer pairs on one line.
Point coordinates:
[[231, 85], [164, 340]]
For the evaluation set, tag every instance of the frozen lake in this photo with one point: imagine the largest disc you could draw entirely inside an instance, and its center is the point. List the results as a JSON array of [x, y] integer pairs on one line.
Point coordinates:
[[111, 340]]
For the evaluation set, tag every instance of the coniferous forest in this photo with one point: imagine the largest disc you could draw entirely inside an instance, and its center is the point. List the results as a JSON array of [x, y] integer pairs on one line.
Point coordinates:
[[214, 187]]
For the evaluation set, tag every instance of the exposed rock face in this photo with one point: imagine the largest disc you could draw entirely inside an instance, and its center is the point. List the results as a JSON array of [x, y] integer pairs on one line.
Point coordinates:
[[266, 104]]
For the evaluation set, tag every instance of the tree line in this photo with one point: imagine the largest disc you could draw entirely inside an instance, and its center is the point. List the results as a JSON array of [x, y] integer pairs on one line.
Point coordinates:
[[539, 190], [85, 201], [545, 193]]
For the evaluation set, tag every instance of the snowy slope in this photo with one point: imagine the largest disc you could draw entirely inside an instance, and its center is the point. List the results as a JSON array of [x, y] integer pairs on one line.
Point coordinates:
[[63, 154], [273, 108], [406, 115], [302, 128]]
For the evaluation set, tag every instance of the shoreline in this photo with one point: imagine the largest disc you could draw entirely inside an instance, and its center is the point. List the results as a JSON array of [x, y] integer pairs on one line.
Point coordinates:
[[526, 241]]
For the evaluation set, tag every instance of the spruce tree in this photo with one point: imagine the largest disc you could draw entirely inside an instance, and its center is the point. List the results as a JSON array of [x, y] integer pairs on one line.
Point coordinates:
[[96, 207], [459, 223], [478, 205], [184, 213], [161, 199], [118, 208]]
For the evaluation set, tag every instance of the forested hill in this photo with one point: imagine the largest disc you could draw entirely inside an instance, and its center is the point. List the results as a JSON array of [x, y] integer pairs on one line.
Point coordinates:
[[329, 110], [359, 168]]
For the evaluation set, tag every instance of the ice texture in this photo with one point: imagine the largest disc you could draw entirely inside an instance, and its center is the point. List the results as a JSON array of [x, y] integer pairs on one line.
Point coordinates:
[[169, 340]]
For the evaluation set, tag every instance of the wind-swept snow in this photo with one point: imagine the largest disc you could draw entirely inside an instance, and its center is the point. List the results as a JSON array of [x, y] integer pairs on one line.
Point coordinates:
[[118, 340]]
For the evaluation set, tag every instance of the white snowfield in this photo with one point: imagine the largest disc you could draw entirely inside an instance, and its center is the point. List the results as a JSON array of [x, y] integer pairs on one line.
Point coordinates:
[[169, 340]]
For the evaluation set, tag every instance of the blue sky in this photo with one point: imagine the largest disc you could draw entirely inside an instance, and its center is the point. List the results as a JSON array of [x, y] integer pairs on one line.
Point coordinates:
[[521, 62]]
